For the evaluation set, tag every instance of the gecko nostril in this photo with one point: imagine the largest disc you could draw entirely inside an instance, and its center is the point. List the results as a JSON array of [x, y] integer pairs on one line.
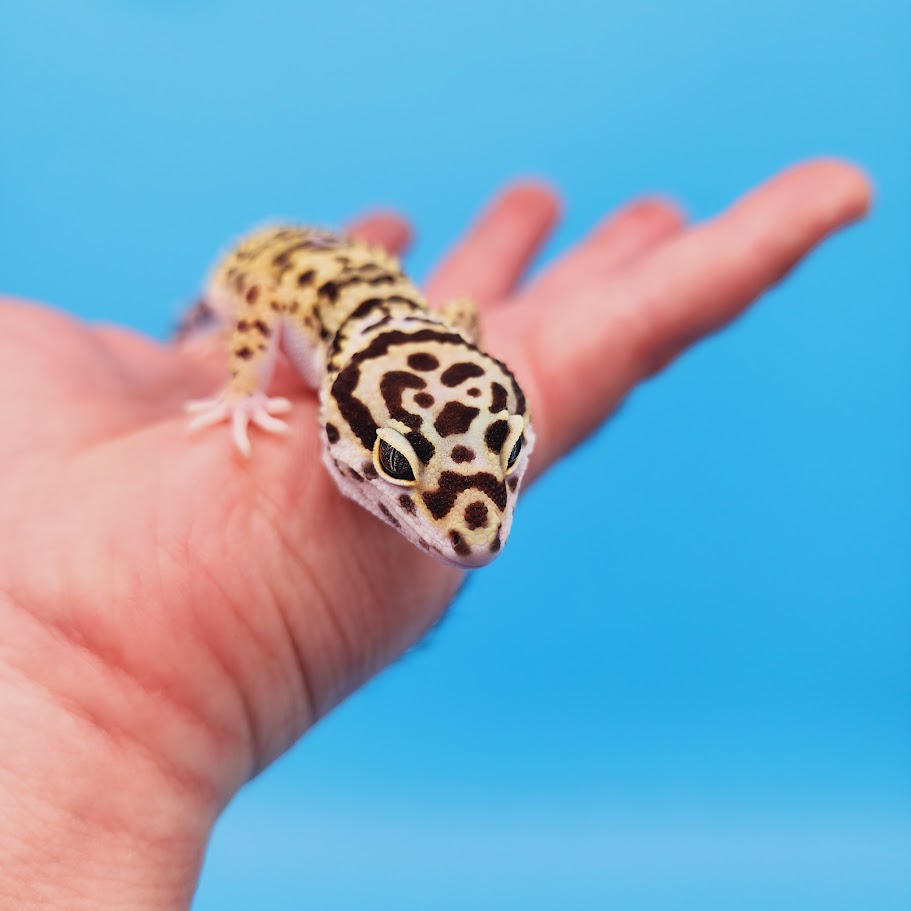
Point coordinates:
[[459, 544], [476, 515]]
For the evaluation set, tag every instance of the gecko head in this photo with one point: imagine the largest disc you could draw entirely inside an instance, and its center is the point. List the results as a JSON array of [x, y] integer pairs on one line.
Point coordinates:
[[443, 470], [454, 493]]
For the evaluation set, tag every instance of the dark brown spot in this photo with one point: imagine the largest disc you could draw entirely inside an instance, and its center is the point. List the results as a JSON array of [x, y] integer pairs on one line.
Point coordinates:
[[323, 333], [380, 322], [353, 410], [496, 544], [496, 434], [459, 544], [380, 346], [476, 515], [355, 413], [393, 386], [328, 290], [389, 516], [306, 277], [513, 482], [366, 307], [282, 261], [398, 299], [276, 306], [441, 500], [362, 311], [474, 392], [340, 284], [252, 294], [498, 398], [423, 399], [407, 504], [332, 434], [455, 418], [369, 471], [262, 328], [244, 353], [462, 454], [308, 241], [422, 361], [381, 303], [242, 325], [355, 476], [458, 373], [516, 390], [423, 448]]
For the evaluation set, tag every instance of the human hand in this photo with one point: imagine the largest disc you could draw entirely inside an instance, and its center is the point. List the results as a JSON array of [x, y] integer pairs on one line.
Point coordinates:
[[173, 617]]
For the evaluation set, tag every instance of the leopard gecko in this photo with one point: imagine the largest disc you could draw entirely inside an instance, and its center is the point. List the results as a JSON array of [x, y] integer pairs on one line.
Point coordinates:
[[418, 424]]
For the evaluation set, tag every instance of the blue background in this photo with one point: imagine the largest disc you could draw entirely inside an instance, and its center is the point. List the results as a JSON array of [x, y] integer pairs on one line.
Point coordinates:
[[689, 687]]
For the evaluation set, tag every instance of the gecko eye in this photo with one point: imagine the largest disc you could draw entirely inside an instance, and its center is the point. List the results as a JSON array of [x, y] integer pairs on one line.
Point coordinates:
[[394, 464], [514, 452], [515, 437], [394, 457]]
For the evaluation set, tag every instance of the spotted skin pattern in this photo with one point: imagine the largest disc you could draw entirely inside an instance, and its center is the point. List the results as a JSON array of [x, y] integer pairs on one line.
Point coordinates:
[[401, 386]]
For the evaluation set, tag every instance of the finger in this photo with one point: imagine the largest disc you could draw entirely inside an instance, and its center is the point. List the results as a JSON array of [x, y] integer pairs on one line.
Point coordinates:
[[385, 229], [499, 247], [610, 337], [709, 277], [618, 241]]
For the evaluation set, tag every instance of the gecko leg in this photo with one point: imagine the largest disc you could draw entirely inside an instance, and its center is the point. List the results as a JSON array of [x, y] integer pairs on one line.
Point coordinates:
[[462, 314], [253, 351]]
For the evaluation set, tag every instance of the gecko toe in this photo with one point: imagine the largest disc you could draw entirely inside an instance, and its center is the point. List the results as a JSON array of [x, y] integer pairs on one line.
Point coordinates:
[[239, 421], [277, 406], [213, 412], [197, 406], [265, 421]]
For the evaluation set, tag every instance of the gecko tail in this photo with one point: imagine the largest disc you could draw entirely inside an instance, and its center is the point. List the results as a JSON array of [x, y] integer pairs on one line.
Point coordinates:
[[199, 320]]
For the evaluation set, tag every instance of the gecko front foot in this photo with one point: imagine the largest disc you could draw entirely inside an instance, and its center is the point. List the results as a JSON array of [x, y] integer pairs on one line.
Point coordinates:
[[240, 410]]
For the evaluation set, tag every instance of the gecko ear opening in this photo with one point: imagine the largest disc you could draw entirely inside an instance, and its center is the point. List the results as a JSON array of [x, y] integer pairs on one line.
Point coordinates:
[[394, 458]]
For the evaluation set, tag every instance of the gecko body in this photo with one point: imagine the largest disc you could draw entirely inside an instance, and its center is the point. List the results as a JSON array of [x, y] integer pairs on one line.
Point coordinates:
[[419, 425]]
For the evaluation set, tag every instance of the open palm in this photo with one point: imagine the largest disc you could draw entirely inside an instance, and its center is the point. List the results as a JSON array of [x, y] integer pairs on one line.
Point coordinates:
[[180, 616]]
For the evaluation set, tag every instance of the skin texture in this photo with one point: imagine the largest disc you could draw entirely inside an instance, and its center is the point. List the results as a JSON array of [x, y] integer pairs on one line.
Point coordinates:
[[173, 617]]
